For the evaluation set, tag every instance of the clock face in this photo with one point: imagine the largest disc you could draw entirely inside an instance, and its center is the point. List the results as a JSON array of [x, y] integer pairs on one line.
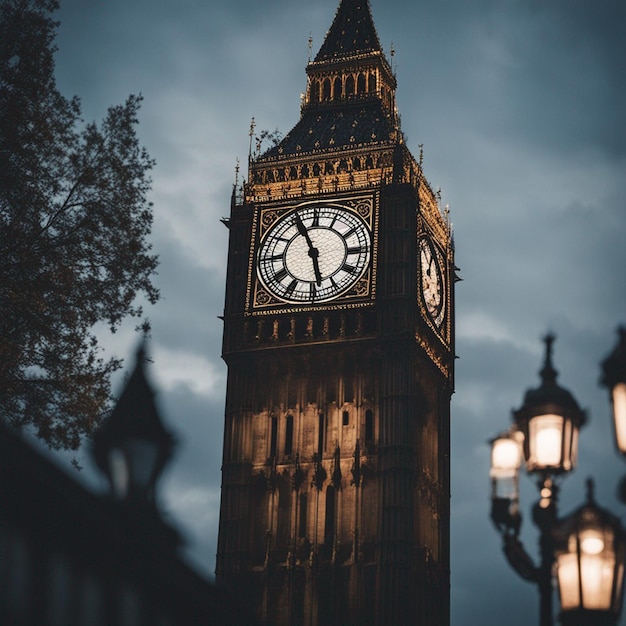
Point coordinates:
[[432, 282], [314, 254]]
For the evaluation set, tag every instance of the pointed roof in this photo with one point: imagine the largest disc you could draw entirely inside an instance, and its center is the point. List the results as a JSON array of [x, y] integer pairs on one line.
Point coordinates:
[[352, 32], [336, 127]]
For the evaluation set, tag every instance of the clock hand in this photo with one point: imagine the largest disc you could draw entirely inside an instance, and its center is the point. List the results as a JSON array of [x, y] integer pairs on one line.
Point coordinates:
[[303, 231], [313, 251]]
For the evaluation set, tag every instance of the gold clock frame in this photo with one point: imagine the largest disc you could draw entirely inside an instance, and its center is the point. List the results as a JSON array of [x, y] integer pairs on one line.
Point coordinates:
[[443, 329], [260, 301]]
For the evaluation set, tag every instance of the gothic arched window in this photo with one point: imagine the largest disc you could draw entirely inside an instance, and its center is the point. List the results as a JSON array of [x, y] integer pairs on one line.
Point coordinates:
[[273, 436], [326, 89], [337, 89], [350, 86], [360, 85], [369, 427], [289, 435], [315, 91], [303, 515]]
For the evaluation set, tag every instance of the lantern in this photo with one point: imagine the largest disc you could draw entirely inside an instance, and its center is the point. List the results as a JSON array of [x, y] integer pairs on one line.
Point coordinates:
[[506, 458], [589, 553], [549, 420]]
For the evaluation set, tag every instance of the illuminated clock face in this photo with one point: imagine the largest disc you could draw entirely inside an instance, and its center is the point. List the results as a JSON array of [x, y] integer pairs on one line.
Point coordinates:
[[432, 282], [314, 254]]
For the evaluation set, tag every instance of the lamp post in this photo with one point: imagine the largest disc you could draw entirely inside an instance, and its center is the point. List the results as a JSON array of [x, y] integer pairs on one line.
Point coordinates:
[[547, 426], [585, 550], [131, 447]]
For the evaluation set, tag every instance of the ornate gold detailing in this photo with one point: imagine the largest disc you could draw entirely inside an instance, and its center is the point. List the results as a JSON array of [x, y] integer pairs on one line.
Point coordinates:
[[262, 298], [269, 217], [443, 367], [326, 170], [431, 214], [364, 209], [362, 288]]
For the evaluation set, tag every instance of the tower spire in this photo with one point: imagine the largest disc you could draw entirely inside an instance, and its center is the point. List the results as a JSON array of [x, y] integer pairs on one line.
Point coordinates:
[[352, 32]]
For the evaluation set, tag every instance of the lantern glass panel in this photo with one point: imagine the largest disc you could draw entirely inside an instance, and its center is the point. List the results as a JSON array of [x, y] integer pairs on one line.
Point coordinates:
[[619, 415], [567, 575], [142, 455], [506, 456], [545, 434], [596, 573], [119, 472], [505, 487]]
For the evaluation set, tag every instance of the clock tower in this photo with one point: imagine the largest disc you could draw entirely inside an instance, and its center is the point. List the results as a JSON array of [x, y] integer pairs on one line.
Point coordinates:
[[339, 342]]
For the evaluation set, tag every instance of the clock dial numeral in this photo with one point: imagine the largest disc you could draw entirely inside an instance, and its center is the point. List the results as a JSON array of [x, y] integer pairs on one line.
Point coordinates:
[[280, 274], [354, 250], [350, 269]]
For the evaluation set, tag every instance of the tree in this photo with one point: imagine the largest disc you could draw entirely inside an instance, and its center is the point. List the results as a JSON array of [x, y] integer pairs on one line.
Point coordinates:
[[74, 222]]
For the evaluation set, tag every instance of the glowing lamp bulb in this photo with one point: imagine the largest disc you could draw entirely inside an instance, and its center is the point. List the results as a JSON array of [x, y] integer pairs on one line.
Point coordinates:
[[591, 542]]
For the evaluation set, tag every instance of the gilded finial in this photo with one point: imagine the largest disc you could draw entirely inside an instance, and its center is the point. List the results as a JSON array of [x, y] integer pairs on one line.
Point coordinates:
[[310, 46], [421, 147]]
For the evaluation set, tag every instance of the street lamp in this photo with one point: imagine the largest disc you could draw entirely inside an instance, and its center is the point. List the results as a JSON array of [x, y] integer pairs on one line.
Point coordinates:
[[549, 420], [547, 425], [614, 377], [589, 551], [131, 447]]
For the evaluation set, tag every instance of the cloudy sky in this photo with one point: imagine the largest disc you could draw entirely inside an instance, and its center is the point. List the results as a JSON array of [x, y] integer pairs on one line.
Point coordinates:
[[520, 107]]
